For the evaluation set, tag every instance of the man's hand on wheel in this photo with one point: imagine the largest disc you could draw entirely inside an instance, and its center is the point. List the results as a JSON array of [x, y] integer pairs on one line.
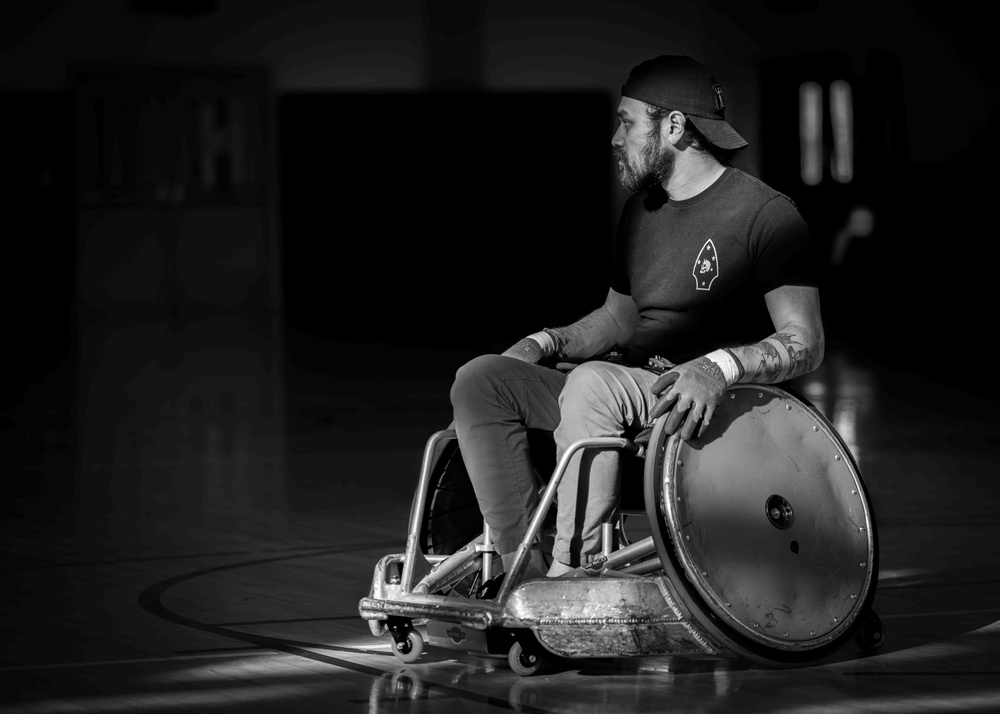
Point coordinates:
[[690, 392]]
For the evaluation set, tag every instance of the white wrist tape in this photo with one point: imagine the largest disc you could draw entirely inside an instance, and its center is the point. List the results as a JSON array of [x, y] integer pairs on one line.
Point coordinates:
[[727, 364], [545, 341]]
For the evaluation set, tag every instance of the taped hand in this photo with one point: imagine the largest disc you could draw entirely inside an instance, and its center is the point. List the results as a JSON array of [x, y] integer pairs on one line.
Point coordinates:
[[526, 350], [690, 392]]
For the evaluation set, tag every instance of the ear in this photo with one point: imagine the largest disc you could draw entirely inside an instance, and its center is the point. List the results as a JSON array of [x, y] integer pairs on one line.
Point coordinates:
[[673, 127]]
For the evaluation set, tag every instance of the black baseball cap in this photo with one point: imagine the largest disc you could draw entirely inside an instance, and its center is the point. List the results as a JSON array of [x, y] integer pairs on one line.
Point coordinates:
[[678, 82]]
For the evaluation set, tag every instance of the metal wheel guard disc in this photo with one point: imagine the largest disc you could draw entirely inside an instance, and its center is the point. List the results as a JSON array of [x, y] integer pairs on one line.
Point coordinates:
[[769, 521]]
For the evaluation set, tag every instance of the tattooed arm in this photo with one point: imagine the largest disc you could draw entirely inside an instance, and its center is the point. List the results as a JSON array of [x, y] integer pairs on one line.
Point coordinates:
[[609, 326], [691, 391], [797, 345]]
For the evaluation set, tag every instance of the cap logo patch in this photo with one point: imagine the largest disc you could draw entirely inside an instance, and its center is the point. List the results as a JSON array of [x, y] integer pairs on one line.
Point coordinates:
[[720, 103], [706, 267]]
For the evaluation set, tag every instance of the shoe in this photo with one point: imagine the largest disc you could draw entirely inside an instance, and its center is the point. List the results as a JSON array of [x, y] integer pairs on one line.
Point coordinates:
[[489, 589]]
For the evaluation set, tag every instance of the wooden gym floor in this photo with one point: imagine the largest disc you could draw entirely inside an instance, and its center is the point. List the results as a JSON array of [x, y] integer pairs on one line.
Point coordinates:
[[195, 516]]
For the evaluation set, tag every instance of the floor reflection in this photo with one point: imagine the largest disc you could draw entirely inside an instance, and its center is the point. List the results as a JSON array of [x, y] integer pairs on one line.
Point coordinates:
[[184, 426], [665, 685], [846, 394]]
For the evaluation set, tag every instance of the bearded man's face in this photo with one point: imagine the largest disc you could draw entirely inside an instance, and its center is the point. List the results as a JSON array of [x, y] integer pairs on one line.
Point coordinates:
[[643, 159], [653, 164]]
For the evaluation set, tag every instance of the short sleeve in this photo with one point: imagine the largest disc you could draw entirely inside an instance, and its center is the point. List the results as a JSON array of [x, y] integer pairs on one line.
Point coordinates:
[[782, 248]]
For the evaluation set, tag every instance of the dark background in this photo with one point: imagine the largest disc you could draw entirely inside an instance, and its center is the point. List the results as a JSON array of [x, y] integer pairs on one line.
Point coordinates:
[[442, 219], [434, 178]]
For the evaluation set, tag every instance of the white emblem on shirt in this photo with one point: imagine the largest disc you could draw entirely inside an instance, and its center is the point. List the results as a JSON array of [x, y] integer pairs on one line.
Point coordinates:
[[706, 267]]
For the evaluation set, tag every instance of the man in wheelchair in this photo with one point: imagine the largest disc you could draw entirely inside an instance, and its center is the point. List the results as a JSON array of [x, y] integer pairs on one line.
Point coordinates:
[[713, 284], [762, 539]]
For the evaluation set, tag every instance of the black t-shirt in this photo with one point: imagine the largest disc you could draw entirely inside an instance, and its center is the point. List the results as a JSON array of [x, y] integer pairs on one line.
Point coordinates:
[[698, 269]]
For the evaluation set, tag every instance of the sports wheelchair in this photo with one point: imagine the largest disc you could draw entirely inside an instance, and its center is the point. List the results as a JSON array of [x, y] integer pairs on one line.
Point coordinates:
[[761, 545]]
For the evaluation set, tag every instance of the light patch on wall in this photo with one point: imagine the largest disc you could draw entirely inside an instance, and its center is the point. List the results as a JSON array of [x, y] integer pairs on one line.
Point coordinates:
[[842, 116], [811, 133]]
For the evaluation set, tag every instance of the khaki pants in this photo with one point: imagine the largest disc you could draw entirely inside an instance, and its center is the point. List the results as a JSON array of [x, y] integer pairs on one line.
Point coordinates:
[[497, 399]]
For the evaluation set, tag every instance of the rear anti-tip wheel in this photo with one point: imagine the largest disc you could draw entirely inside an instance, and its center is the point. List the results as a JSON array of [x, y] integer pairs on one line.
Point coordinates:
[[409, 647], [871, 634], [524, 661]]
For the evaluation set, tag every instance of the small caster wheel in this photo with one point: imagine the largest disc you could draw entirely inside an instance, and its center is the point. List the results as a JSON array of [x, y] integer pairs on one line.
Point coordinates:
[[410, 647], [524, 662], [871, 635]]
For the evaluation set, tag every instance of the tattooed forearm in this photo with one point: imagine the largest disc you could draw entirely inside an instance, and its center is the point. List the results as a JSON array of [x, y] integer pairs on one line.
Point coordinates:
[[769, 361], [800, 359], [777, 358]]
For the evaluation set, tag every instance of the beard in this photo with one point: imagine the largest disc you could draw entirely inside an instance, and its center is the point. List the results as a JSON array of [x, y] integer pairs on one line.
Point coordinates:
[[653, 167]]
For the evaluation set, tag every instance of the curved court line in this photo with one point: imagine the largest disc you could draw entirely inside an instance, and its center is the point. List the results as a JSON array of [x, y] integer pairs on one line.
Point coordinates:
[[151, 600], [42, 564]]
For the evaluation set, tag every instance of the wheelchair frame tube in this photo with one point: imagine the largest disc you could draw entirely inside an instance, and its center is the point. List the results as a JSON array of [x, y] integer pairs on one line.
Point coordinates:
[[488, 550], [639, 549], [644, 568], [549, 495], [419, 503]]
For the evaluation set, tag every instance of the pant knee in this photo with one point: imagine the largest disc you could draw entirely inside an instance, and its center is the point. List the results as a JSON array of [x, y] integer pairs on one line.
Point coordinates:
[[593, 403], [482, 386], [476, 377], [588, 386]]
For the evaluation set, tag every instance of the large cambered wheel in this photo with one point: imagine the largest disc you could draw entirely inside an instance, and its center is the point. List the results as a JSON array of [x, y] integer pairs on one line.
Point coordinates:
[[451, 516], [765, 528]]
